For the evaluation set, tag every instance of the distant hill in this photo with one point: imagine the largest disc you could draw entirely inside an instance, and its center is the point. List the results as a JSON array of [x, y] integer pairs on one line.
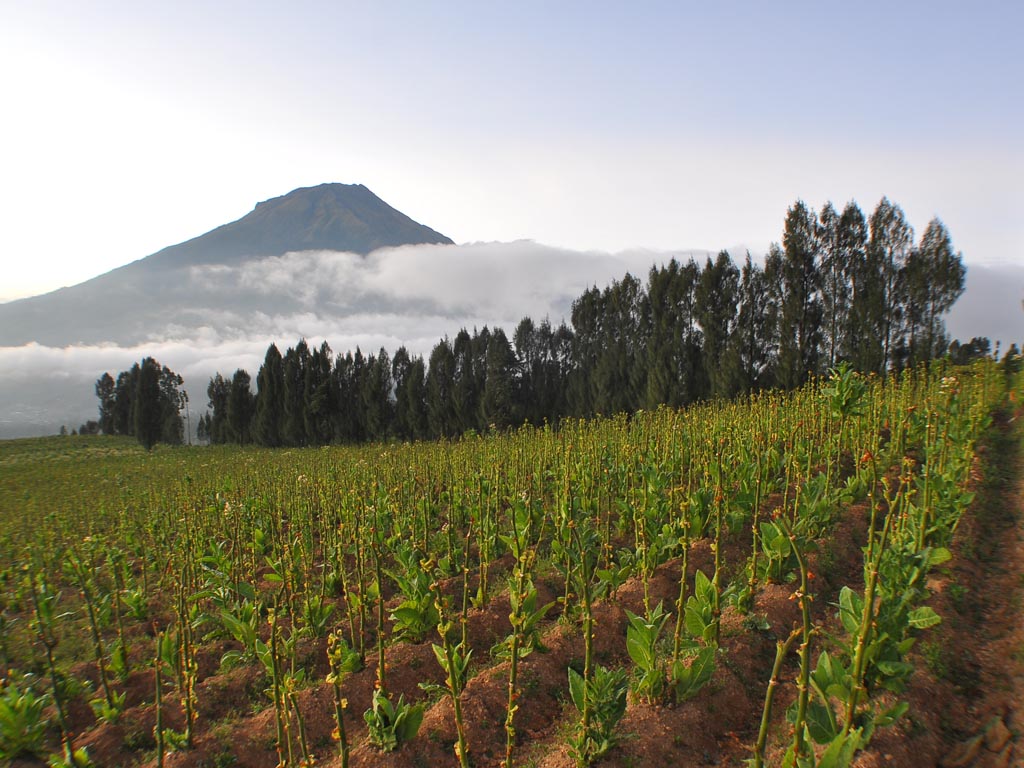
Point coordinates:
[[139, 300]]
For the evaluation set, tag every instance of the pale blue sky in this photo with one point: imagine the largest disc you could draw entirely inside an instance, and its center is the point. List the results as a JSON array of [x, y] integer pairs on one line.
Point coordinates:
[[129, 126]]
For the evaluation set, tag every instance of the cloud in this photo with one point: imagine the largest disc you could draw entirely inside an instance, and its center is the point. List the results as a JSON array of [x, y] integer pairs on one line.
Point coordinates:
[[224, 317], [219, 318]]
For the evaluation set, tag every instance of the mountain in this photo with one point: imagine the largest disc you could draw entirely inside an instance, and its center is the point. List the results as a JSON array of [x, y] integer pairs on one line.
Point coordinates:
[[141, 300]]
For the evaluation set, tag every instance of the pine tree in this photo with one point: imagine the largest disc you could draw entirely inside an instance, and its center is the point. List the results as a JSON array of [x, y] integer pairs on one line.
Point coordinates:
[[498, 401], [750, 355], [857, 342], [267, 423], [241, 405], [147, 413], [716, 313], [106, 391], [933, 280], [800, 311], [441, 418], [218, 391], [888, 249]]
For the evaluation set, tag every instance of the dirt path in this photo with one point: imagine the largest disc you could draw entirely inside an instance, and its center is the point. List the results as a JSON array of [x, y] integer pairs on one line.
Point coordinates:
[[967, 693]]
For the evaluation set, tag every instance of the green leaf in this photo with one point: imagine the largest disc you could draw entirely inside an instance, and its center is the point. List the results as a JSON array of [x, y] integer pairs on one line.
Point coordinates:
[[841, 750], [923, 617], [639, 653], [850, 608], [938, 556], [821, 722], [576, 688]]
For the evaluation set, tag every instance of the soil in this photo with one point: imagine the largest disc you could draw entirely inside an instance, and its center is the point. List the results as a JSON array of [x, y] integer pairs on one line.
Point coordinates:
[[965, 695]]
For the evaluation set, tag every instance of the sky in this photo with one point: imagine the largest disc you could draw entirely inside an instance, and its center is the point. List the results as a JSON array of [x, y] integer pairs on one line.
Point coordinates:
[[592, 126]]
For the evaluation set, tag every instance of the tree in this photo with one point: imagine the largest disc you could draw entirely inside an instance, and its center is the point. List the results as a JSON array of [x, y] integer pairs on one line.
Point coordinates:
[[106, 391], [672, 353], [172, 400], [716, 313], [888, 248], [218, 391], [441, 417], [268, 425], [375, 395], [751, 350], [409, 377], [498, 401], [933, 281], [144, 402], [835, 283], [147, 410], [241, 406], [856, 341], [295, 362], [800, 310]]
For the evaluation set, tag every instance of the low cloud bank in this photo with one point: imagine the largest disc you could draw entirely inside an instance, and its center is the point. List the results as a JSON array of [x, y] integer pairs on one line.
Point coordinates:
[[219, 318], [223, 318]]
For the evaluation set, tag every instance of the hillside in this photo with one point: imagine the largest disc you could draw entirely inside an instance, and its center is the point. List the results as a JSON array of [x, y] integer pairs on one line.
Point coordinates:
[[139, 300]]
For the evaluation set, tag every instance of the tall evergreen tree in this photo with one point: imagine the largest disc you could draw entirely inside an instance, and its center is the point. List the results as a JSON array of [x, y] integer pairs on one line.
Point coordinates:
[[716, 313], [441, 417], [318, 397], [172, 400], [800, 311], [498, 401], [268, 420], [857, 343], [409, 377], [888, 249], [241, 406], [376, 395], [933, 281], [218, 392], [835, 285], [295, 362], [619, 372], [750, 355], [147, 412], [587, 319], [106, 391]]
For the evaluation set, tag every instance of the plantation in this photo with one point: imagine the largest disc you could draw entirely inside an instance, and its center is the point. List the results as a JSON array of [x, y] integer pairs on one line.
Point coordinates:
[[752, 581]]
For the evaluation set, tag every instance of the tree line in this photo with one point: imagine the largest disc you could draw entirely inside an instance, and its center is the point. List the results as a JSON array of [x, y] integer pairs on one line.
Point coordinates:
[[840, 287]]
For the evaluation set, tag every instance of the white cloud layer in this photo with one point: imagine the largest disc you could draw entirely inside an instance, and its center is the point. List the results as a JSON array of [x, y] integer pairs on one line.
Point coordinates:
[[412, 296]]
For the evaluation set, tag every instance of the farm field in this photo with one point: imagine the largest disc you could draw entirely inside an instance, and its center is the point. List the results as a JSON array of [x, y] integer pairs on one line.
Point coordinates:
[[826, 578]]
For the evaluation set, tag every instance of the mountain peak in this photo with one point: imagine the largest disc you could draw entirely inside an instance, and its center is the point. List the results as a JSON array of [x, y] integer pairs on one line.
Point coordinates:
[[329, 217]]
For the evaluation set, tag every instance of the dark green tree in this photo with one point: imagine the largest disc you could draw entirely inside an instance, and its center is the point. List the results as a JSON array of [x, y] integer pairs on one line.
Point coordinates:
[[889, 247], [441, 417], [409, 377], [933, 281], [498, 402], [296, 360], [147, 409], [269, 417], [751, 352], [856, 343], [800, 308], [376, 395], [218, 391], [716, 313], [106, 390], [241, 406], [318, 397]]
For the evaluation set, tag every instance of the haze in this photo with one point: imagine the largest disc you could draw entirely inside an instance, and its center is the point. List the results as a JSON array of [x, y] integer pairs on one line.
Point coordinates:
[[590, 126]]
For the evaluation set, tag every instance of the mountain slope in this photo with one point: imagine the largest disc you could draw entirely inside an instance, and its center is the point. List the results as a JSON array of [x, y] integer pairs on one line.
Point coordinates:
[[139, 300]]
